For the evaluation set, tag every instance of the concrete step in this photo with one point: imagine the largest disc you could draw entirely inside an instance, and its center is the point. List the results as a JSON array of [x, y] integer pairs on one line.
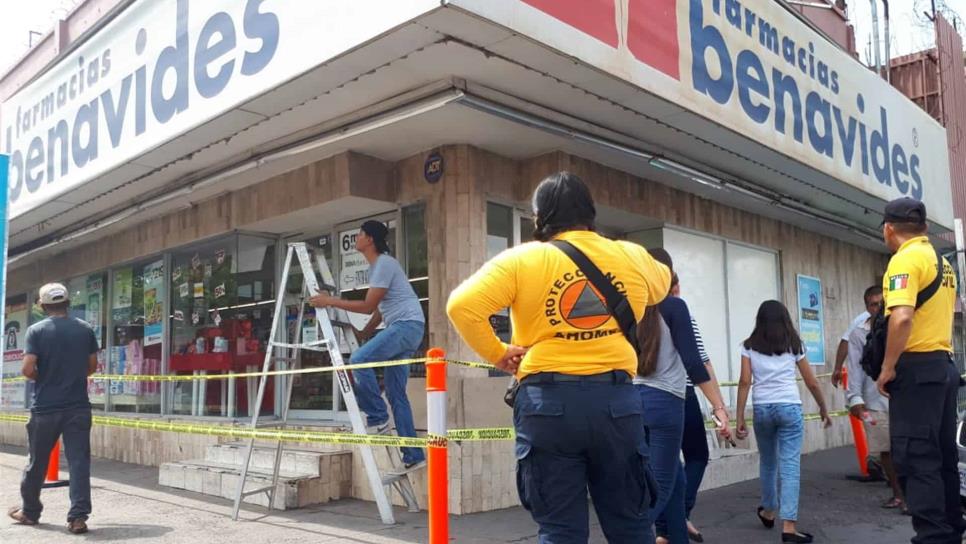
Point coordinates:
[[326, 476], [307, 462]]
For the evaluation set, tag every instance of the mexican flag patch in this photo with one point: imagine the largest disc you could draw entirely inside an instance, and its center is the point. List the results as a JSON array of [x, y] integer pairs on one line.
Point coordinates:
[[899, 281]]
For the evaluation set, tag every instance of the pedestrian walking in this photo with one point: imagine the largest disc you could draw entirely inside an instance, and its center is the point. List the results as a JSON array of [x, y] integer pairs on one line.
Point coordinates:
[[61, 352], [918, 374], [576, 414], [694, 441], [662, 385], [768, 361], [390, 299], [867, 404]]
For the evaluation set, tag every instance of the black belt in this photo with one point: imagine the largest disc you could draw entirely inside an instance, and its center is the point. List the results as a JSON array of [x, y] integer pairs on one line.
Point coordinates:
[[921, 356], [614, 376]]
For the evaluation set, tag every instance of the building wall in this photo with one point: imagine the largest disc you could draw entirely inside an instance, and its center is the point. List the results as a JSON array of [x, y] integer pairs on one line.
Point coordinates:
[[482, 472]]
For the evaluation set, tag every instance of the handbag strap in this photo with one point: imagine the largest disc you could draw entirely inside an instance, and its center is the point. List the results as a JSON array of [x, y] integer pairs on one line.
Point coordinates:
[[617, 303], [931, 289]]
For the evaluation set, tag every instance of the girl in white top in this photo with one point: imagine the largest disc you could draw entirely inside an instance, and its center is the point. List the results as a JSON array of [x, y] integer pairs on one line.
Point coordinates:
[[768, 361]]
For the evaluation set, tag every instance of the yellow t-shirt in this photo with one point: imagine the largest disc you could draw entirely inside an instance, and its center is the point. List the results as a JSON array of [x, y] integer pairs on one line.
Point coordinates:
[[554, 310], [911, 270]]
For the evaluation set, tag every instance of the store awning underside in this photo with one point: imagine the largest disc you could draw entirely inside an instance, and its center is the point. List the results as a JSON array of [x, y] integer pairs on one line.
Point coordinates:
[[446, 78]]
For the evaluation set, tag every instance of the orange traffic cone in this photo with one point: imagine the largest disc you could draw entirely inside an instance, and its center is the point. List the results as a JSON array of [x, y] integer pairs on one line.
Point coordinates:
[[858, 432], [53, 468]]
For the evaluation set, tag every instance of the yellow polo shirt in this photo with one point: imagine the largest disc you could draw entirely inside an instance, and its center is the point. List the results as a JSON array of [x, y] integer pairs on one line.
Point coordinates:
[[911, 270], [553, 309]]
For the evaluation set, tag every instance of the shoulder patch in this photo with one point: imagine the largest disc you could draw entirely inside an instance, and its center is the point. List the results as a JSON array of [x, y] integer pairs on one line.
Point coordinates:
[[898, 282]]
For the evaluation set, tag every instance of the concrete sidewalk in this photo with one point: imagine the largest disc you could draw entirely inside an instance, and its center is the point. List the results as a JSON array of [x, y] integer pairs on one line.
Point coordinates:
[[130, 506]]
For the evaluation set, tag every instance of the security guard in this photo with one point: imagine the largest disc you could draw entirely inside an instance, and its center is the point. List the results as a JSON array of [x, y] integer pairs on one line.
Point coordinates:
[[919, 376]]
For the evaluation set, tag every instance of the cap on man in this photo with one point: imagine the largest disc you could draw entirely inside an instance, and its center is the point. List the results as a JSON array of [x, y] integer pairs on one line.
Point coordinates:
[[918, 374], [61, 352]]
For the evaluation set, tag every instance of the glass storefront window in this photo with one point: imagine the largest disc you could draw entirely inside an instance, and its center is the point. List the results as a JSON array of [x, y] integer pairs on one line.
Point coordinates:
[[313, 392], [221, 315], [137, 307], [87, 303], [13, 395]]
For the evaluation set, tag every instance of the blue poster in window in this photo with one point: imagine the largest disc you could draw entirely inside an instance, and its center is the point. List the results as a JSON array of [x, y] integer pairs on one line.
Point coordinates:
[[811, 318]]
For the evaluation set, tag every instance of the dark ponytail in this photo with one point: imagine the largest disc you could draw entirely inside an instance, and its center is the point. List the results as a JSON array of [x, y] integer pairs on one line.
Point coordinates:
[[562, 202]]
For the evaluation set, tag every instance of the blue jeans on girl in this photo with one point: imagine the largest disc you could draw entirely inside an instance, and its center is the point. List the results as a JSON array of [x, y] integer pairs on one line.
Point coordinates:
[[779, 429]]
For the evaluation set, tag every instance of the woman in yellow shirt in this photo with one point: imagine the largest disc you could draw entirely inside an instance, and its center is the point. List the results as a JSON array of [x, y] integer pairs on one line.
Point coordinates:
[[577, 416]]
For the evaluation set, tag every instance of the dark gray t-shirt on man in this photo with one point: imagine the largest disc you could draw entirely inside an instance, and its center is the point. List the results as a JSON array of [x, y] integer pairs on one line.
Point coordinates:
[[63, 346]]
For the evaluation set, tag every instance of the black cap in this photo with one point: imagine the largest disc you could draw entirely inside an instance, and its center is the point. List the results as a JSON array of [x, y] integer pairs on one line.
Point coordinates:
[[378, 231], [905, 210]]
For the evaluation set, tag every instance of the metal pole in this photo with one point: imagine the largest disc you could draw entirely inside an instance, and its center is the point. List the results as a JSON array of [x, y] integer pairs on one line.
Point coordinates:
[[875, 36]]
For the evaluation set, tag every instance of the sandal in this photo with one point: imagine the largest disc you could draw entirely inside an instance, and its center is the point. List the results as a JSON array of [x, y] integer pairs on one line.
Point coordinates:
[[77, 526], [894, 502], [768, 523], [19, 517]]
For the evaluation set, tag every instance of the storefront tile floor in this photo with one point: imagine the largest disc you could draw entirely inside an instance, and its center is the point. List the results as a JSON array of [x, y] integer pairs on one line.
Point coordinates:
[[129, 506]]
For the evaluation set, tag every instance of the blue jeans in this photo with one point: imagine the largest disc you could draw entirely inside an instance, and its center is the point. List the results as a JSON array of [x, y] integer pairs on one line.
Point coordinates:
[[694, 446], [580, 435], [43, 431], [779, 429], [398, 341], [664, 427]]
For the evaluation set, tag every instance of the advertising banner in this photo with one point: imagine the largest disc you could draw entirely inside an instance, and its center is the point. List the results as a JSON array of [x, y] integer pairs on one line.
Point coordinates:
[[757, 69], [811, 318], [160, 69], [153, 302]]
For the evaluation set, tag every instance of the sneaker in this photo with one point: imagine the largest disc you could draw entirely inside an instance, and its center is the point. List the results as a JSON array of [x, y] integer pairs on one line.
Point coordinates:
[[382, 428]]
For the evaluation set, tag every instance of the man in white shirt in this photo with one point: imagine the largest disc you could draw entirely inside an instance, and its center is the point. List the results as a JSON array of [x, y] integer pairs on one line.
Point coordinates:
[[843, 350], [867, 403]]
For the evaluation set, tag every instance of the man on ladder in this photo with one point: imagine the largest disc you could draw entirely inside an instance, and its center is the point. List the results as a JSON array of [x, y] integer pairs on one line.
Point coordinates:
[[391, 299]]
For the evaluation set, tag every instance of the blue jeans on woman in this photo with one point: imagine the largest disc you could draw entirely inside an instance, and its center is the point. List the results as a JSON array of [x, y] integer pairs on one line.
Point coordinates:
[[779, 429], [398, 341], [664, 427], [694, 446]]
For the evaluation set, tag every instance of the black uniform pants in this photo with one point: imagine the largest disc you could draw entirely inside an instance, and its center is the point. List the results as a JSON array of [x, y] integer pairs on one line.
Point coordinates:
[[922, 417]]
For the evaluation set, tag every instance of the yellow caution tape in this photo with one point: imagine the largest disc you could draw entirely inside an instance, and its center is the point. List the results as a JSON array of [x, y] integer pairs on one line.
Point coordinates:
[[735, 384], [193, 377], [286, 435], [808, 417], [498, 433]]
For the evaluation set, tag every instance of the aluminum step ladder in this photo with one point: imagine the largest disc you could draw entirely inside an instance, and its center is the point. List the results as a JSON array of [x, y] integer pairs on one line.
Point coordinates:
[[280, 354]]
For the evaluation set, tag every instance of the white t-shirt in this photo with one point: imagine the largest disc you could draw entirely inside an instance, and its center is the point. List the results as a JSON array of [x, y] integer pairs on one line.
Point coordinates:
[[858, 321], [773, 377]]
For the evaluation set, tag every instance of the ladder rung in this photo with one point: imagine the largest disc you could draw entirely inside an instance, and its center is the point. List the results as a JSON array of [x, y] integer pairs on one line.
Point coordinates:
[[342, 324], [257, 491], [318, 345], [285, 359]]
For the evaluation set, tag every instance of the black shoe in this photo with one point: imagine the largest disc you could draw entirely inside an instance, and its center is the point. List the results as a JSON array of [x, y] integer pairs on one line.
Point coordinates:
[[797, 537], [768, 523], [695, 537]]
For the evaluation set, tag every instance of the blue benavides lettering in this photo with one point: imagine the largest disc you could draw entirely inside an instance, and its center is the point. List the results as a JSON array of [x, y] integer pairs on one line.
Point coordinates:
[[72, 142], [777, 96]]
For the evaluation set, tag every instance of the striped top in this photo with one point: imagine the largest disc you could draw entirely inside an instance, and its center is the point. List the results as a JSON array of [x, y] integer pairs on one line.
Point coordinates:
[[701, 350]]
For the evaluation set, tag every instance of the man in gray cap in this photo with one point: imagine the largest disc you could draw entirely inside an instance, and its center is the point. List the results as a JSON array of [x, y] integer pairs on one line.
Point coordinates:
[[61, 352], [918, 374]]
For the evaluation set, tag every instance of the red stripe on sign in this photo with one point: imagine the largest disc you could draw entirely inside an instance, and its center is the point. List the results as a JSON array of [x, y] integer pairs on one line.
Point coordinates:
[[595, 17], [652, 35]]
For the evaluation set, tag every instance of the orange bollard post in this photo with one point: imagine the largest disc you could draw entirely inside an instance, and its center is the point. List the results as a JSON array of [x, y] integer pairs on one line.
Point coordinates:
[[858, 432], [437, 452], [53, 466]]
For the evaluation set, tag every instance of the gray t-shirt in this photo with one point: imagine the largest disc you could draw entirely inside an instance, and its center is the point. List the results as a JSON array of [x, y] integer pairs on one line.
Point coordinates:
[[669, 373], [400, 302], [62, 346]]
